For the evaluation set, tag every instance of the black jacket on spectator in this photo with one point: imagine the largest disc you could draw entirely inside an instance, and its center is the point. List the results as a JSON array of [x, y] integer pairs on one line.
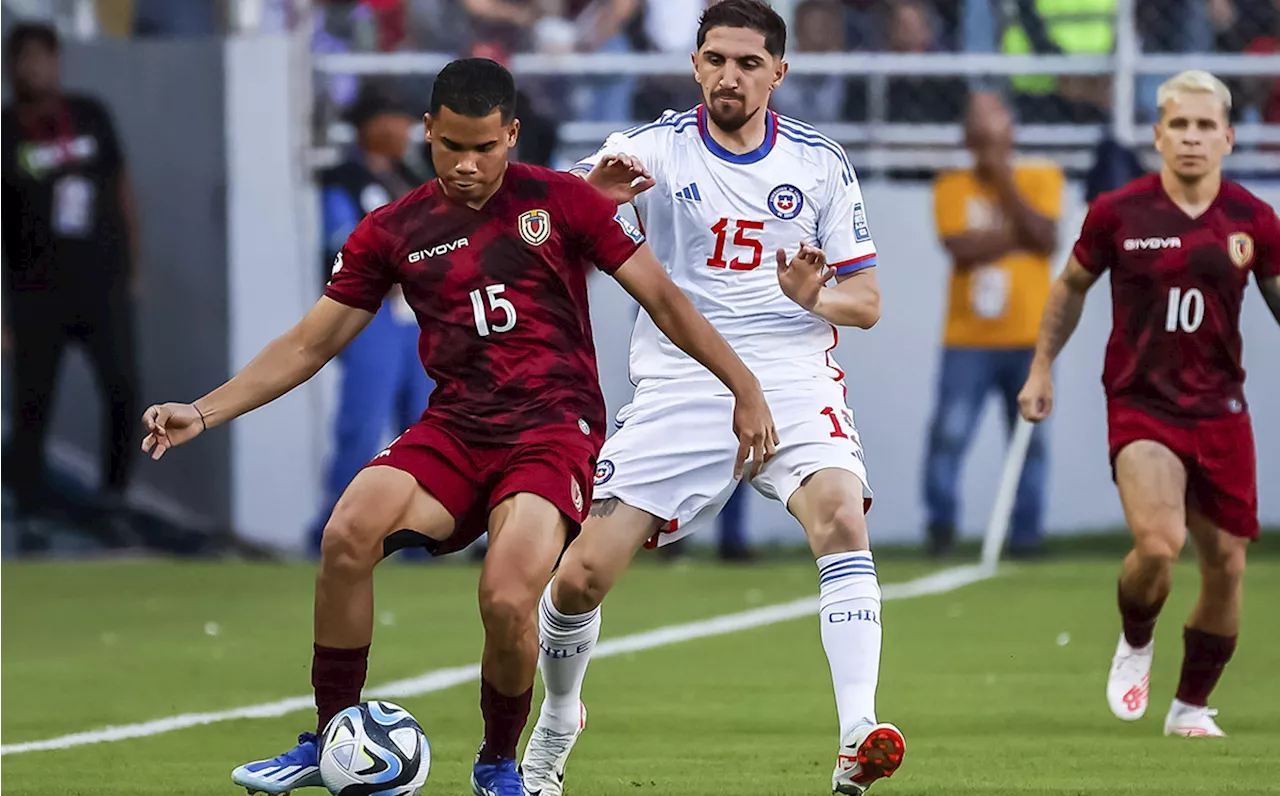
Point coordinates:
[[63, 226]]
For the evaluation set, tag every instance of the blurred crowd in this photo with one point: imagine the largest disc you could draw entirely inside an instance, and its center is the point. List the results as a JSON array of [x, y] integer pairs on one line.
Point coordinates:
[[502, 28]]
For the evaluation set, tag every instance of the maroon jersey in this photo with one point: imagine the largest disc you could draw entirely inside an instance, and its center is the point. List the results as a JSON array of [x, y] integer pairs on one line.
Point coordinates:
[[501, 296], [1176, 287]]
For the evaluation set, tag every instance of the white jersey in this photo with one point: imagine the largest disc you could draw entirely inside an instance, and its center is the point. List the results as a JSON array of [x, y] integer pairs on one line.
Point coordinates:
[[715, 220]]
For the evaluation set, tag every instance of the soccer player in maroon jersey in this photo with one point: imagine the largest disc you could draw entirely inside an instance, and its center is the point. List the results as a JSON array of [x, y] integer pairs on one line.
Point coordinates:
[[1180, 246], [493, 258]]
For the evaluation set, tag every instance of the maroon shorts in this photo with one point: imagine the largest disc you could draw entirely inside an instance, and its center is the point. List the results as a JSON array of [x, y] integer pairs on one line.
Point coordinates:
[[470, 480], [1222, 471]]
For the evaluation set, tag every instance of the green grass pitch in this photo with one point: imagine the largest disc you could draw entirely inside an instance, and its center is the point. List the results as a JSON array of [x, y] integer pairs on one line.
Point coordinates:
[[990, 700]]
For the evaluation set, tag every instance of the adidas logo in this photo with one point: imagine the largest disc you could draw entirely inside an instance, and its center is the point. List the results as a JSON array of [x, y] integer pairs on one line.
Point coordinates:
[[690, 192]]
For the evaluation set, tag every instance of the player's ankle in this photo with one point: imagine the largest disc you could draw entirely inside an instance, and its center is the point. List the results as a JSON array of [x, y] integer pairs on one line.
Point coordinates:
[[561, 714]]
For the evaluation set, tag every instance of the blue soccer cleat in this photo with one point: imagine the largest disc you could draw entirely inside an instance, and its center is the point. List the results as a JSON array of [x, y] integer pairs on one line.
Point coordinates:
[[297, 768], [496, 779]]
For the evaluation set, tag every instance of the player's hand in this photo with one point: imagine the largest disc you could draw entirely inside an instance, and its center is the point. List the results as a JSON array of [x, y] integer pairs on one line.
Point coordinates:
[[1035, 402], [620, 178], [170, 425], [802, 279], [757, 436]]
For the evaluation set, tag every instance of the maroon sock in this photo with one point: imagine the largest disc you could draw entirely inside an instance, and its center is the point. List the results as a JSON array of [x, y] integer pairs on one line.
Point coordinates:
[[338, 677], [1137, 619], [1205, 657], [504, 720]]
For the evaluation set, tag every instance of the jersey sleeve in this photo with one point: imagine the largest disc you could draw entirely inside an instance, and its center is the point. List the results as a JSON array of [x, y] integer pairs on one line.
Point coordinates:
[[360, 276], [1095, 249], [843, 232], [1266, 263], [597, 230], [645, 142]]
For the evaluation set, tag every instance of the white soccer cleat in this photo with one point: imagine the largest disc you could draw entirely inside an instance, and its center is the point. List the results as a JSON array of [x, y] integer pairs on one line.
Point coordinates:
[[869, 753], [1129, 684], [545, 756], [1192, 721]]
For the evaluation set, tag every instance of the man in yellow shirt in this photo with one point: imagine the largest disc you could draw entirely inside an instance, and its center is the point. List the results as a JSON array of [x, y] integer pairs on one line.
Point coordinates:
[[998, 223]]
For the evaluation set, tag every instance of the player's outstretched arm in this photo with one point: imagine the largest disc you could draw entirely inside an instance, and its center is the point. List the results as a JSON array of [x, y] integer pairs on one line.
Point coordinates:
[[643, 277], [1061, 314], [854, 301], [286, 362]]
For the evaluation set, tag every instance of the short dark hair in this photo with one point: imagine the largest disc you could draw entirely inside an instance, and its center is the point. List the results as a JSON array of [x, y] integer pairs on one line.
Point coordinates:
[[475, 87], [751, 14], [24, 33]]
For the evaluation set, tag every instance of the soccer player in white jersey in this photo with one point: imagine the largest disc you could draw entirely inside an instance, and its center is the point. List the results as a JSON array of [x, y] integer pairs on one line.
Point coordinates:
[[744, 208]]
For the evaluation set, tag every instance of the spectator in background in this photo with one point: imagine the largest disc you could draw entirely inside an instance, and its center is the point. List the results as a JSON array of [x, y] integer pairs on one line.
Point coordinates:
[[669, 26], [998, 223], [602, 28], [383, 389], [1114, 165], [1058, 27], [920, 100], [71, 256], [864, 24], [911, 27], [437, 26], [508, 27], [1237, 23], [819, 28]]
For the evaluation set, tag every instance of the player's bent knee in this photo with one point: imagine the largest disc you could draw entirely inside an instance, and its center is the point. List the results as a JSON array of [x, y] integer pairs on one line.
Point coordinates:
[[1225, 567], [346, 549], [506, 612], [1157, 545], [839, 529], [580, 587]]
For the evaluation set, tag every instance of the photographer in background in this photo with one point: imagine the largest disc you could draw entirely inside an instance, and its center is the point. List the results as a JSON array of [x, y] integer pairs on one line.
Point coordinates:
[[71, 254], [382, 389]]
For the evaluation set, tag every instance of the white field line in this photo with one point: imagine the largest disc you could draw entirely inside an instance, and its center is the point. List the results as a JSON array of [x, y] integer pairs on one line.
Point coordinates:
[[440, 679]]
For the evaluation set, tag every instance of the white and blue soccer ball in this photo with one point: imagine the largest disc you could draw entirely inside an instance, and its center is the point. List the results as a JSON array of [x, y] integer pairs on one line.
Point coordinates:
[[374, 749]]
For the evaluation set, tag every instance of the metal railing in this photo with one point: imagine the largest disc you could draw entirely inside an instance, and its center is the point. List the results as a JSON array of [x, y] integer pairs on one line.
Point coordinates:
[[878, 143]]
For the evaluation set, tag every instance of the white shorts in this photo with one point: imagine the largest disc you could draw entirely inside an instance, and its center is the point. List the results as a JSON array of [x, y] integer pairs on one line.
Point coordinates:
[[674, 450]]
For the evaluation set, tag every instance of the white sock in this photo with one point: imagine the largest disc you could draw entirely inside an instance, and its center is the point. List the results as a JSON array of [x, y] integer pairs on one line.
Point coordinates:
[[849, 613], [565, 643]]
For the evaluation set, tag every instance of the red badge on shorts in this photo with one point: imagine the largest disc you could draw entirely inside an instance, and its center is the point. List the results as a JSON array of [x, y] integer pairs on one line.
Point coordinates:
[[575, 492]]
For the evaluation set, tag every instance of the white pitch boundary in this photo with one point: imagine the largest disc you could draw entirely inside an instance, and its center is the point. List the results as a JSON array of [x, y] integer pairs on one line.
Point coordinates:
[[440, 679]]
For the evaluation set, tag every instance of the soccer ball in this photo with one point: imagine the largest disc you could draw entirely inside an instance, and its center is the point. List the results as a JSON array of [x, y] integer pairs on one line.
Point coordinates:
[[374, 749]]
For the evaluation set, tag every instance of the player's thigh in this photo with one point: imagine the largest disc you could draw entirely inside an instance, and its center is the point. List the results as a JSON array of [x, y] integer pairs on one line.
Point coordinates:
[[610, 538], [527, 532], [378, 502], [829, 504], [673, 455], [1222, 483], [537, 503], [417, 488], [1152, 480], [819, 472]]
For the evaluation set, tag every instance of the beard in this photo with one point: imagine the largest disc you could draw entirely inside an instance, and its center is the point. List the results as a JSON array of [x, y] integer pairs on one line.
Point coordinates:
[[730, 120]]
